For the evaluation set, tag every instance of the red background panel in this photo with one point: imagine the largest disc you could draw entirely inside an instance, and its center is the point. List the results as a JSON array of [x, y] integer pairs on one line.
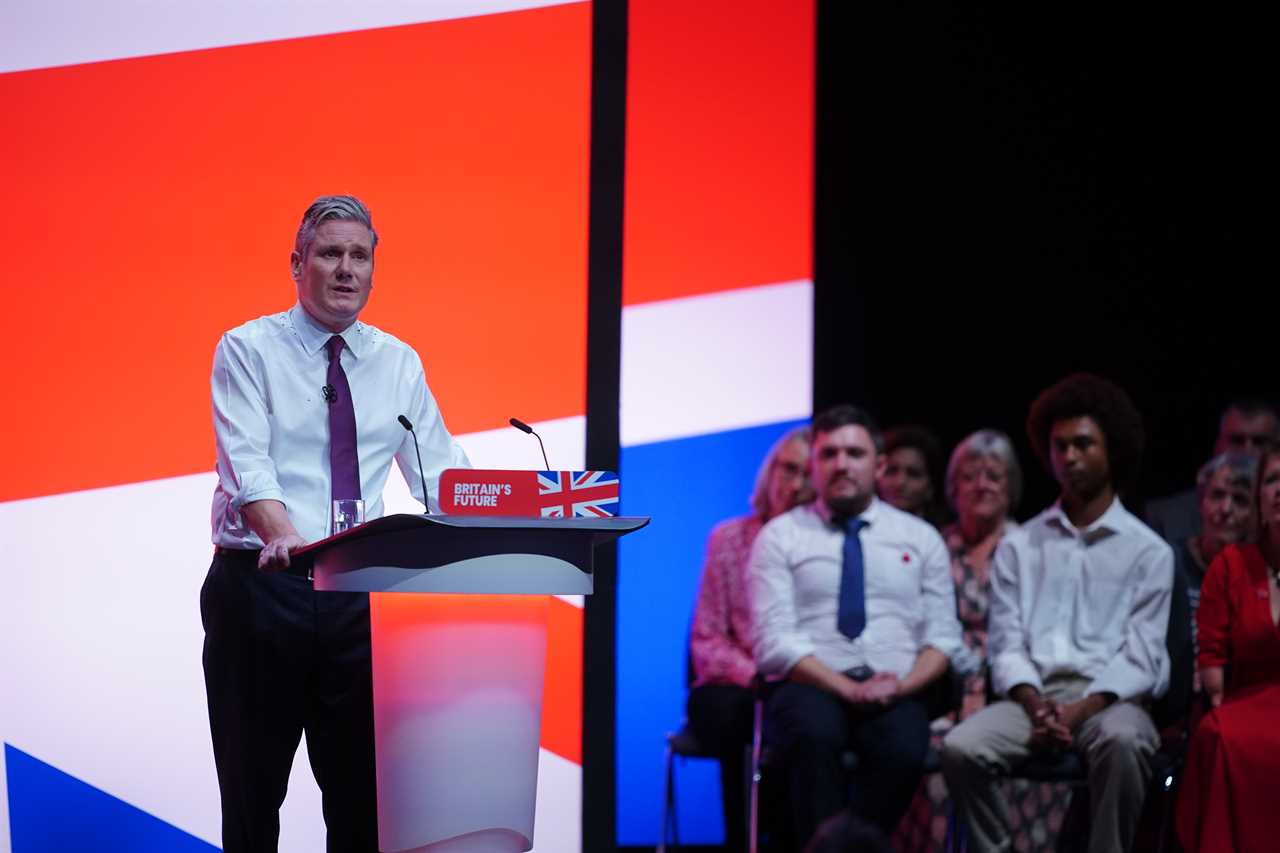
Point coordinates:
[[719, 146], [150, 204]]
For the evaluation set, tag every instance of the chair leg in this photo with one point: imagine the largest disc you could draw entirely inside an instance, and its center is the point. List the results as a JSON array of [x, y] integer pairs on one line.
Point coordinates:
[[955, 842], [668, 803], [753, 820], [1168, 788]]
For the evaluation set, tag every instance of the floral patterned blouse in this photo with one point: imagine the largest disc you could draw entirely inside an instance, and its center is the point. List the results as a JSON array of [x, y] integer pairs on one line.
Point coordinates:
[[721, 641]]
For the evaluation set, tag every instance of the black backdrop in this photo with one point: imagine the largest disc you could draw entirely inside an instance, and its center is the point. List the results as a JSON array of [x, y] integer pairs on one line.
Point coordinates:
[[1007, 194]]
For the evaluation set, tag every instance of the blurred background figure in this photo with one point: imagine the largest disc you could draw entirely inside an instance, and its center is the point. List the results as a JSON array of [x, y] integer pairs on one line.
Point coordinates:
[[720, 702], [983, 487], [913, 473], [1225, 491], [1247, 426], [845, 832], [1228, 798]]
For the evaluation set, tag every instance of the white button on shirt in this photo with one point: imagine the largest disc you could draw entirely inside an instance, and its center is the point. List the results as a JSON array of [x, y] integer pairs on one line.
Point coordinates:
[[271, 422], [1090, 602], [795, 591]]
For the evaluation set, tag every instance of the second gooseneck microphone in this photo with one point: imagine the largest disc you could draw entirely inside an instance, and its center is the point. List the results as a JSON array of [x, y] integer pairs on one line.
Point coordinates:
[[525, 428], [404, 422]]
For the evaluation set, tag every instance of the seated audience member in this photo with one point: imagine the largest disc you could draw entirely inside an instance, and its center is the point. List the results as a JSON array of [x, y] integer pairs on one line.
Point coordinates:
[[845, 832], [1080, 600], [854, 609], [1225, 490], [912, 471], [983, 485], [1247, 426], [1228, 797], [720, 708]]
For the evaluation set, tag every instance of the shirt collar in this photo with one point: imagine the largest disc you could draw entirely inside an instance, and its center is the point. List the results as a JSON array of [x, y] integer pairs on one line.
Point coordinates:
[[868, 515], [314, 336], [1114, 520]]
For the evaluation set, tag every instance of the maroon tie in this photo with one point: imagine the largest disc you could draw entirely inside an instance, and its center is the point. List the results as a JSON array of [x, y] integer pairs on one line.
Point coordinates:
[[344, 460]]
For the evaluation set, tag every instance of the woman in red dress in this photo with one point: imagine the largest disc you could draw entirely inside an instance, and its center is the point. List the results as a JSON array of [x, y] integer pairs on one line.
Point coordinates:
[[1228, 799]]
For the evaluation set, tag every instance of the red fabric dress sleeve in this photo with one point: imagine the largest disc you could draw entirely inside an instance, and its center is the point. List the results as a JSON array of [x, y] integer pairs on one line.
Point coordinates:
[[1214, 617]]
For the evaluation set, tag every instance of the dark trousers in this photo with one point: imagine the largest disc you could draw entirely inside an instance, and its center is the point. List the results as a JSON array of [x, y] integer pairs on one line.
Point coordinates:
[[279, 660], [721, 716], [813, 728]]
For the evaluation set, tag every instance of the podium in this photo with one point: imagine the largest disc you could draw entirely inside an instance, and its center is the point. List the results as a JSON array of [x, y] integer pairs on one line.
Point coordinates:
[[458, 672]]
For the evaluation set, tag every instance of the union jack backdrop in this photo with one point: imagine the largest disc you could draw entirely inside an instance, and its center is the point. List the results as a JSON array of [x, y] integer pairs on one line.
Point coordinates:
[[585, 494]]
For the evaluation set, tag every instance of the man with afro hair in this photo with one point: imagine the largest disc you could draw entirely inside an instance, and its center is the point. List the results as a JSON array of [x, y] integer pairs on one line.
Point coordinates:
[[1080, 599]]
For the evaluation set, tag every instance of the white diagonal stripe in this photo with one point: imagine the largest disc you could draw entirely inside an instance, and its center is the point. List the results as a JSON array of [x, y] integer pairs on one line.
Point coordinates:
[[47, 33]]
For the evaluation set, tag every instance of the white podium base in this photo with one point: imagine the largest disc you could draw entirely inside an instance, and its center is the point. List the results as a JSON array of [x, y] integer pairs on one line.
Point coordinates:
[[457, 686], [488, 841]]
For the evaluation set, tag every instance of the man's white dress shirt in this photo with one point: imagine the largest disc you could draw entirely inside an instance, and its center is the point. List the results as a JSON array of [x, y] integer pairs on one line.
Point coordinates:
[[1090, 602], [795, 592], [271, 422]]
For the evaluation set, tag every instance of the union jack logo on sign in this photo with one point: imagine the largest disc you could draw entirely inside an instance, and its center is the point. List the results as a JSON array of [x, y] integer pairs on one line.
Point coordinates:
[[581, 494]]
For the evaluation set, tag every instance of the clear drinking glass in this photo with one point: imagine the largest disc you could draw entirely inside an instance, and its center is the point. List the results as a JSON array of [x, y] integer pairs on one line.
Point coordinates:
[[347, 514]]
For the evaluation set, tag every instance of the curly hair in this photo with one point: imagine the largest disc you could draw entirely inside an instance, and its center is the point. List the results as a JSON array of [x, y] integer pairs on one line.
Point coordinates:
[[1083, 394]]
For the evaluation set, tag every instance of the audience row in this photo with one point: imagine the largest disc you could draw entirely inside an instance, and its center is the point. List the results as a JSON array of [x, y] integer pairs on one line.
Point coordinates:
[[867, 629]]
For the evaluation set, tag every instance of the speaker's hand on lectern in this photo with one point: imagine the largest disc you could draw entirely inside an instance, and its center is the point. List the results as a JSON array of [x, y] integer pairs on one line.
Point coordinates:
[[275, 556], [270, 520]]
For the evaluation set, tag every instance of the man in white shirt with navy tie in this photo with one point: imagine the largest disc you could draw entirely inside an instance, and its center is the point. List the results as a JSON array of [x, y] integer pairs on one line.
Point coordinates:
[[305, 408], [1080, 599], [854, 619]]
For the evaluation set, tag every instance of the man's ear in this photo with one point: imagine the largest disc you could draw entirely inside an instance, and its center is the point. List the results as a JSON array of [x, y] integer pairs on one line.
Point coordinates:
[[295, 265], [882, 462]]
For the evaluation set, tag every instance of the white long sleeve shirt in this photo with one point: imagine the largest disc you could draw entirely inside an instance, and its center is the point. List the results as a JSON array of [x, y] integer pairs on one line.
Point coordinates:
[[271, 422], [1091, 602], [795, 592]]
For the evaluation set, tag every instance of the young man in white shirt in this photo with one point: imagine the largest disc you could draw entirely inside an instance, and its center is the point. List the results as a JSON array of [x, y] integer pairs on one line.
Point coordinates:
[[854, 617], [1080, 599]]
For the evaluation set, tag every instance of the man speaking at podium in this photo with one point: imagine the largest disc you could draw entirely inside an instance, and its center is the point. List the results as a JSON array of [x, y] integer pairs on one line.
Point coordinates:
[[305, 412]]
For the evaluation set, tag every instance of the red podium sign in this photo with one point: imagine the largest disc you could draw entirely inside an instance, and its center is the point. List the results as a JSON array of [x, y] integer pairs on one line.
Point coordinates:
[[538, 494]]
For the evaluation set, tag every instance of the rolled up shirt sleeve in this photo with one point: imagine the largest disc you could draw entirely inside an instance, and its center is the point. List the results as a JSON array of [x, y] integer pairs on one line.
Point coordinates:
[[777, 641], [1141, 667], [1007, 641], [941, 628], [241, 427]]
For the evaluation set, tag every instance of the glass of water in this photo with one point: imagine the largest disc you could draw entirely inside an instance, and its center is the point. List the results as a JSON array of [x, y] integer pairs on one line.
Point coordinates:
[[347, 514]]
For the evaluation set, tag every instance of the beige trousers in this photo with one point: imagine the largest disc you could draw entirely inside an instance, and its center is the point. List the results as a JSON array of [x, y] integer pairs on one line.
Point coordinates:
[[1116, 744]]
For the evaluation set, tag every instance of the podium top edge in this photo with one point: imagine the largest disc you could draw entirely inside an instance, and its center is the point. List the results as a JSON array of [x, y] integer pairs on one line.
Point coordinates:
[[610, 526]]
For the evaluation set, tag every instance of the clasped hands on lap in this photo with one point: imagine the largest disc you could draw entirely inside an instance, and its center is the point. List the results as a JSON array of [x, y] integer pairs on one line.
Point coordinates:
[[879, 691], [1053, 726]]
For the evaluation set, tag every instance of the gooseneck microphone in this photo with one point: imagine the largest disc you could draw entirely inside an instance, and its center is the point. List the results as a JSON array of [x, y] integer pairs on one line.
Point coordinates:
[[404, 422], [525, 428]]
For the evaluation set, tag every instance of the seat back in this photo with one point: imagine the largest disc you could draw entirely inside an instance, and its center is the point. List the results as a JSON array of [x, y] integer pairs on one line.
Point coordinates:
[[1176, 702]]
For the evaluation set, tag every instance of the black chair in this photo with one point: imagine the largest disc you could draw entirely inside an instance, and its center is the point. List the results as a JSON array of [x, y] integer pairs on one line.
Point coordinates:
[[682, 743]]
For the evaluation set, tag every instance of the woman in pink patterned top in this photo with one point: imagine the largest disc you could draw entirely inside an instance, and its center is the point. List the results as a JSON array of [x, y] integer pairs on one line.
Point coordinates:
[[983, 485], [720, 703]]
